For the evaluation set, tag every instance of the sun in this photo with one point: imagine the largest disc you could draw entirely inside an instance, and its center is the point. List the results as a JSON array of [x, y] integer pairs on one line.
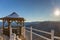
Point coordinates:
[[57, 12]]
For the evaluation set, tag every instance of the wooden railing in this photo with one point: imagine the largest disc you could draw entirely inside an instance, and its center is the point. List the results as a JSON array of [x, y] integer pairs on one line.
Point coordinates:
[[31, 32]]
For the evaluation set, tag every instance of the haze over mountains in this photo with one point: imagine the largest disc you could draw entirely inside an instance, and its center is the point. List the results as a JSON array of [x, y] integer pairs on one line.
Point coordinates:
[[45, 25]]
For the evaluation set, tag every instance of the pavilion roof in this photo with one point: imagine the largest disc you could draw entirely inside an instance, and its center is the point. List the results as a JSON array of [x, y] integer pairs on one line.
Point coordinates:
[[14, 15]]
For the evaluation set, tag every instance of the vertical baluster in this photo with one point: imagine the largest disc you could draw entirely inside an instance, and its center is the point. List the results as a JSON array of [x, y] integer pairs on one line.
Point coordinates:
[[52, 34], [24, 32], [31, 33]]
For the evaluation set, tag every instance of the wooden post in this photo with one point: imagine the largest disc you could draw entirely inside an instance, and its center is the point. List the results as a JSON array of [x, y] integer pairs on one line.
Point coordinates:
[[3, 26], [20, 28], [24, 31], [8, 28], [52, 34], [3, 29], [10, 32], [23, 23], [31, 33]]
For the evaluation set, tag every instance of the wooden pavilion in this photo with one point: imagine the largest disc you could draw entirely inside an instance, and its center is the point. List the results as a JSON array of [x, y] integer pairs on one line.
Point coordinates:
[[9, 19]]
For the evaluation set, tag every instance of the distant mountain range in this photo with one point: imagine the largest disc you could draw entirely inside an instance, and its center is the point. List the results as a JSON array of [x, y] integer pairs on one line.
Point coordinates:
[[45, 25]]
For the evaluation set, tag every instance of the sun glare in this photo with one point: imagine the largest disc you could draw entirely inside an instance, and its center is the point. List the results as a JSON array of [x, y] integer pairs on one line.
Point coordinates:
[[57, 12]]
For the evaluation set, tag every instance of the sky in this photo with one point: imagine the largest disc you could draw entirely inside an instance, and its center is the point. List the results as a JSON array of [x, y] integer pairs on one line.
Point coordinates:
[[31, 10]]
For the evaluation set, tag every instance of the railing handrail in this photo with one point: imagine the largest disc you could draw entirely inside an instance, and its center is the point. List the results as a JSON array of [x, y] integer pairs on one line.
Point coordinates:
[[39, 35], [51, 33], [39, 30], [56, 37]]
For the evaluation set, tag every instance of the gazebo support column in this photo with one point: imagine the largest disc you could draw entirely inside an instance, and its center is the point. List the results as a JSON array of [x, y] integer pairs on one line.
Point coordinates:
[[3, 26], [19, 28], [8, 28], [23, 23]]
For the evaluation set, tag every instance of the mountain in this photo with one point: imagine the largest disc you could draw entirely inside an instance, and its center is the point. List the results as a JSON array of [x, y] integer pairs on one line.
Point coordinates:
[[45, 25], [28, 24]]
